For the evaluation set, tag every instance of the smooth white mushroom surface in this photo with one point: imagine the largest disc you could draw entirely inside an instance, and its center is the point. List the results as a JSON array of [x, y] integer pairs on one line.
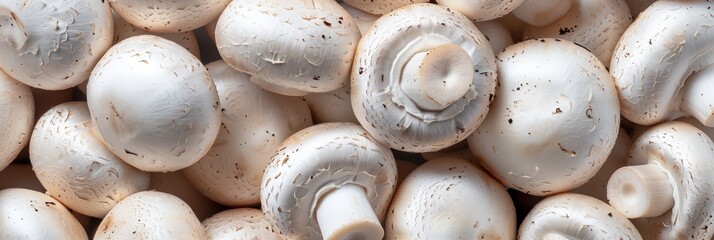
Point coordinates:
[[169, 16], [450, 198], [540, 13], [423, 78], [379, 7], [154, 104], [151, 215], [309, 47], [254, 124], [597, 185], [242, 223], [124, 30], [554, 119], [364, 20], [53, 45], [18, 116], [497, 34], [335, 106], [27, 214], [175, 183], [482, 10]]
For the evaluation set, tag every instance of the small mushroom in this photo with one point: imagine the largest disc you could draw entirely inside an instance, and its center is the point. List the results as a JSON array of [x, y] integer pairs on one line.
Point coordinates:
[[423, 78], [575, 216], [481, 10], [53, 45], [335, 106], [668, 178], [331, 181], [541, 13], [438, 199], [151, 215], [554, 120], [254, 124], [655, 61], [76, 167], [172, 16], [16, 122], [497, 34], [28, 214], [124, 30], [242, 223], [154, 104], [379, 7], [309, 48]]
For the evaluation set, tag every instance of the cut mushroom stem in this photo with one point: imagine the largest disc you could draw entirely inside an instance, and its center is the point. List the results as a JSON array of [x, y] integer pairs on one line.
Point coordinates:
[[345, 213], [437, 78], [11, 28], [641, 191], [697, 98]]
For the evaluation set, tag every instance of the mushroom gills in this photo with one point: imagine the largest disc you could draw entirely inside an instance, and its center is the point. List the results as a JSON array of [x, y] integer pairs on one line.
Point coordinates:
[[345, 213], [641, 190], [697, 97]]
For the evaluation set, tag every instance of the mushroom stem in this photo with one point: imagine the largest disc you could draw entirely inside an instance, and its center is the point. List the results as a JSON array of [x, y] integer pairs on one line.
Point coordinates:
[[345, 213], [640, 191], [437, 78], [697, 98], [12, 29]]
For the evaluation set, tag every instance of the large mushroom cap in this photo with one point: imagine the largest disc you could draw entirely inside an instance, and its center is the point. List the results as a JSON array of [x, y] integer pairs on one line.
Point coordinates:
[[380, 7], [28, 214], [481, 10], [53, 44], [169, 15], [310, 45], [242, 223], [18, 117], [423, 78], [154, 104], [554, 120]]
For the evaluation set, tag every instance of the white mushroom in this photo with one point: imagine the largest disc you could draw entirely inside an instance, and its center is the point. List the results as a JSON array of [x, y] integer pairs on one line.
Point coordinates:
[[166, 16], [254, 124], [242, 223], [151, 215], [497, 34], [669, 176], [423, 78], [597, 185], [554, 120], [379, 7], [658, 52], [53, 45], [124, 30], [309, 48], [450, 198], [27, 214], [16, 122], [76, 167], [331, 181], [575, 216], [364, 20], [335, 106], [154, 104], [175, 183], [541, 13], [481, 10]]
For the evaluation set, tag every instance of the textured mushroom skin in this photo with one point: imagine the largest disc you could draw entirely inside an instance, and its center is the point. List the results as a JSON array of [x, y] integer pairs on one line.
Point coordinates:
[[380, 7], [124, 30], [75, 167], [241, 223], [65, 39], [665, 44], [165, 16], [481, 10], [28, 214], [316, 160], [310, 45], [254, 124], [335, 106], [163, 114], [18, 117], [450, 198], [384, 109]]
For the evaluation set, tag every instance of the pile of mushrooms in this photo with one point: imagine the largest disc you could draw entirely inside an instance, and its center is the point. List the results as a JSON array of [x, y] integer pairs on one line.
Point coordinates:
[[354, 119]]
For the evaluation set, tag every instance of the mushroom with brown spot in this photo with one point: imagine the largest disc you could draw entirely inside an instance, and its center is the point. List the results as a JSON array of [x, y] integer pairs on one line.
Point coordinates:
[[164, 16], [379, 7], [28, 214]]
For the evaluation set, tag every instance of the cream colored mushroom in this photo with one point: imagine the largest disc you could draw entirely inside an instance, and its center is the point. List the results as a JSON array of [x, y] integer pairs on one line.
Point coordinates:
[[541, 13], [597, 185], [27, 214], [335, 106], [363, 19], [124, 30], [379, 7], [242, 223], [481, 10], [497, 34], [166, 16], [16, 122], [175, 183]]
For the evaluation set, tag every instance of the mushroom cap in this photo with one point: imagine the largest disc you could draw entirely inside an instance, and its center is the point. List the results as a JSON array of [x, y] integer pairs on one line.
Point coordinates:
[[318, 159], [542, 12], [254, 124], [332, 106], [497, 34], [154, 104], [124, 30], [169, 16], [384, 109], [438, 199], [28, 214], [575, 216], [481, 10], [379, 7], [597, 185], [595, 25], [18, 117], [364, 20], [241, 223], [75, 166], [657, 53], [63, 41], [310, 45], [554, 120], [151, 215], [175, 183]]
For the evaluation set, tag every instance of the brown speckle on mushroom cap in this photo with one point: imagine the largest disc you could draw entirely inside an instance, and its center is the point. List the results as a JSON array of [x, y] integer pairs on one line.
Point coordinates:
[[27, 214], [242, 223], [169, 16], [17, 120], [380, 7]]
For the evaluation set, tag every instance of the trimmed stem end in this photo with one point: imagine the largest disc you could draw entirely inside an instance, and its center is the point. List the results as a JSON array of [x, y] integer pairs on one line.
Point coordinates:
[[640, 191], [345, 213]]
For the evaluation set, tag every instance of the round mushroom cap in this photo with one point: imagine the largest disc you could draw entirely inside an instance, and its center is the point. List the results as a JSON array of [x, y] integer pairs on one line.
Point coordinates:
[[75, 166], [18, 117], [497, 34], [554, 120], [481, 10], [241, 223], [254, 124], [575, 216], [450, 198], [379, 7], [53, 44], [381, 103], [332, 106], [319, 159], [124, 30], [364, 20], [27, 214], [310, 45], [169, 16], [151, 215], [542, 12], [154, 104]]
